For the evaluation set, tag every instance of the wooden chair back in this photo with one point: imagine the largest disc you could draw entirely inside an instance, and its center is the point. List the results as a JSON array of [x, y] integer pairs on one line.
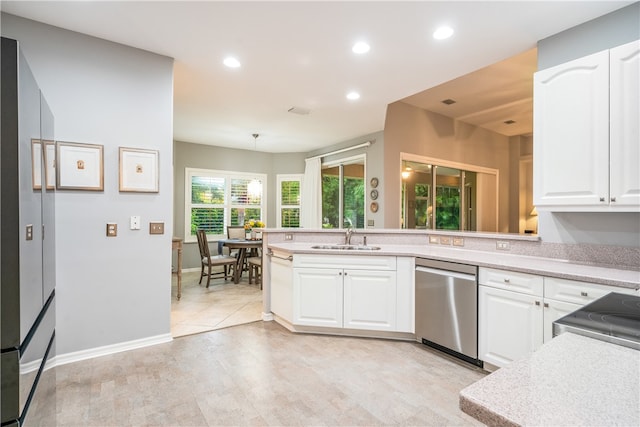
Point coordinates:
[[235, 232], [203, 245]]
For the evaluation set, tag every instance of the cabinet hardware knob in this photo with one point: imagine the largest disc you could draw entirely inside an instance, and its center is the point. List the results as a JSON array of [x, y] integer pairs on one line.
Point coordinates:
[[345, 273], [340, 274], [613, 199], [546, 304], [537, 302], [602, 199], [584, 294], [507, 280]]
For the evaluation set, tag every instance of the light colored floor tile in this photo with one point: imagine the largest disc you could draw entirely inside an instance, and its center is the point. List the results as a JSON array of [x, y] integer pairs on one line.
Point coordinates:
[[223, 304]]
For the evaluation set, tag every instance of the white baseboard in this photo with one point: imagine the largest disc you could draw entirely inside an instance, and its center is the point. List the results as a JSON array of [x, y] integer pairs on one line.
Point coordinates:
[[191, 270], [267, 317], [63, 359]]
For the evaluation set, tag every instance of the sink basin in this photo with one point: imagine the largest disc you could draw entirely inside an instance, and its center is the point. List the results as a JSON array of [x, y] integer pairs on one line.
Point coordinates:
[[347, 247]]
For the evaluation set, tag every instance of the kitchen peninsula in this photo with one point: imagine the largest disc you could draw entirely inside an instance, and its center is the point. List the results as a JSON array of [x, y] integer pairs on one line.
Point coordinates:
[[578, 273]]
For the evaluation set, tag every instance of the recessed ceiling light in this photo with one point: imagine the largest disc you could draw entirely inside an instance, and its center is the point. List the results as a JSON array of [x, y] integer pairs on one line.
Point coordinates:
[[509, 122], [448, 101], [353, 96], [443, 32], [360, 47], [231, 62]]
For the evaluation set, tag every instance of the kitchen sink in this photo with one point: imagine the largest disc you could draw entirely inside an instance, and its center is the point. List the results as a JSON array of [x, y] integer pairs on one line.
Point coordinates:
[[347, 247]]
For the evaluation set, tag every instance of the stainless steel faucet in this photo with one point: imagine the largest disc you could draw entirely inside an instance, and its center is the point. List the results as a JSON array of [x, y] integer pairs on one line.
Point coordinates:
[[347, 235]]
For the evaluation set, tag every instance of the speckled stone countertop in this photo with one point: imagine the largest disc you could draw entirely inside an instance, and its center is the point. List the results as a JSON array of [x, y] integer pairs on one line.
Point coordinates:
[[572, 380], [526, 264]]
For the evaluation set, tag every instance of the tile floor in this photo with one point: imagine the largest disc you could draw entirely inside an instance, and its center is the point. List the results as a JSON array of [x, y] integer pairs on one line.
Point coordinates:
[[222, 305], [261, 374]]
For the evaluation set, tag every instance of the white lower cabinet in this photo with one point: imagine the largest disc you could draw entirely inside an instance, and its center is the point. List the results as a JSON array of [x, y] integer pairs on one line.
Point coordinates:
[[370, 300], [510, 325], [317, 297], [364, 294], [516, 311]]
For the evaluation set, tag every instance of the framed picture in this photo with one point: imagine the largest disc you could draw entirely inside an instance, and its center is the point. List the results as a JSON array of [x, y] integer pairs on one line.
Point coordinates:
[[36, 164], [79, 166], [139, 170], [50, 164]]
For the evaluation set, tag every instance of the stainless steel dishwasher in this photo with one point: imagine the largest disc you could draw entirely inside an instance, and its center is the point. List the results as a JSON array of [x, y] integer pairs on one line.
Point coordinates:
[[447, 308]]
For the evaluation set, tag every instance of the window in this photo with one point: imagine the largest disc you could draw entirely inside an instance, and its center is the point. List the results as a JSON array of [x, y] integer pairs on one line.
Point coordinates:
[[343, 193], [288, 207], [215, 199]]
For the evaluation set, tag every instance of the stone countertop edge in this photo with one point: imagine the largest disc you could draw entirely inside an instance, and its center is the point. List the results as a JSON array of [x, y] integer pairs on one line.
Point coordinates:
[[571, 380], [562, 269]]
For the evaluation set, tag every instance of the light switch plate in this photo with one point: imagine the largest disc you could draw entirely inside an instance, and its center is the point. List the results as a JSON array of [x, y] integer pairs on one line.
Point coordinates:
[[433, 239], [458, 241], [288, 236], [112, 229], [445, 240], [29, 235], [156, 228], [135, 222]]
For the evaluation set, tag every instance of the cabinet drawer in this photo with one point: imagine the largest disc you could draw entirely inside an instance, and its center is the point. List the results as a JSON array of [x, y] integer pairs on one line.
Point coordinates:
[[578, 292], [512, 281], [356, 262]]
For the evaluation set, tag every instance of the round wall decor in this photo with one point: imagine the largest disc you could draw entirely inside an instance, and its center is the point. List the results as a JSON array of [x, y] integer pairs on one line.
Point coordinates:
[[374, 182], [374, 207], [374, 194]]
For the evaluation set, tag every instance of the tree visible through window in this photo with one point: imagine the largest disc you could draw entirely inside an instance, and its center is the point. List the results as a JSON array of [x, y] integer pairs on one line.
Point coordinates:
[[343, 195]]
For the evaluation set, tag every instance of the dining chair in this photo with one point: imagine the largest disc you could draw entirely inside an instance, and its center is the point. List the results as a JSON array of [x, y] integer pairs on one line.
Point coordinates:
[[255, 269], [235, 232], [225, 261]]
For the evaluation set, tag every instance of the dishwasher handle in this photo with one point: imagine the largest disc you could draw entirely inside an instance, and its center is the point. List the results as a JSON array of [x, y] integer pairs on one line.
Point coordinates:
[[447, 273]]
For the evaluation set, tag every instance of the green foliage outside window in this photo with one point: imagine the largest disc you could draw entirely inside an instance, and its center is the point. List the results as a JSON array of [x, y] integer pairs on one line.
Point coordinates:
[[447, 208]]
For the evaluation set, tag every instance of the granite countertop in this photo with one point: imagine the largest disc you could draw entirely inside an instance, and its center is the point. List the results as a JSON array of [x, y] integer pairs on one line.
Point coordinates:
[[526, 264], [572, 380]]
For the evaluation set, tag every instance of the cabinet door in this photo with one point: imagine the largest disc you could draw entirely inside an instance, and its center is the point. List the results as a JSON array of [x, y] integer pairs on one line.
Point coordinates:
[[317, 297], [571, 133], [370, 300], [624, 133], [509, 325], [281, 275], [553, 310]]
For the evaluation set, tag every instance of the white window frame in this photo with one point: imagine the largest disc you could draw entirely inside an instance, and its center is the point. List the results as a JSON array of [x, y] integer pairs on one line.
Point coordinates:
[[228, 175], [279, 206]]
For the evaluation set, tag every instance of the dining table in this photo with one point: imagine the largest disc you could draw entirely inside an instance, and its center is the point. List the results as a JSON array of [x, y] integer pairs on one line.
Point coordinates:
[[243, 246]]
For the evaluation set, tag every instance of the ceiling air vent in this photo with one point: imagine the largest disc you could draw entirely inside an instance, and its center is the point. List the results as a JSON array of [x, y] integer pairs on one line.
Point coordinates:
[[509, 122], [299, 110], [448, 101]]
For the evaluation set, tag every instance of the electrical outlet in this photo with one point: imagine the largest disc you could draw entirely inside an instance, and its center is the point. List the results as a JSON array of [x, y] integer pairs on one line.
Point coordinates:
[[156, 228], [458, 241], [433, 239], [112, 229], [370, 223], [503, 246], [445, 240], [288, 236]]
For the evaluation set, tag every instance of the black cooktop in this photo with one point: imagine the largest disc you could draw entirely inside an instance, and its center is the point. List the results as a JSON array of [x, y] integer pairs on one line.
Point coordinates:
[[614, 317]]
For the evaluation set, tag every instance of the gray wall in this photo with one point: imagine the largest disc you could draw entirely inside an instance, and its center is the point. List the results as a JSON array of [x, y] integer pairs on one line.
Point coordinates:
[[188, 155], [616, 28], [109, 290], [413, 130]]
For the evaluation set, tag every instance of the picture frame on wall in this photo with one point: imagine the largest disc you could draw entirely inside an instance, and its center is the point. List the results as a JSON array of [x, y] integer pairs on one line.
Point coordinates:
[[80, 166], [50, 164], [139, 170], [36, 164]]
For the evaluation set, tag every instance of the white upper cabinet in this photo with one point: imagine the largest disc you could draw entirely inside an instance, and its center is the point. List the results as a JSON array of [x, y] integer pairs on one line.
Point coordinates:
[[624, 113], [586, 133]]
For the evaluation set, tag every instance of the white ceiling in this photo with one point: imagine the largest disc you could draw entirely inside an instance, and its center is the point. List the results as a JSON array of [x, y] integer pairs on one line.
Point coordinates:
[[298, 53]]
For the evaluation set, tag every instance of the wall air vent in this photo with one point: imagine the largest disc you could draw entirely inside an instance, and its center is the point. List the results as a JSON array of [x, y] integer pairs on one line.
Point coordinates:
[[448, 101], [299, 110]]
